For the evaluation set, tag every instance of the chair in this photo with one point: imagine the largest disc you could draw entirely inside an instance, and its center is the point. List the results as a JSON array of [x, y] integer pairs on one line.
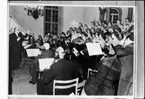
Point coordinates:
[[70, 84], [80, 87], [90, 72]]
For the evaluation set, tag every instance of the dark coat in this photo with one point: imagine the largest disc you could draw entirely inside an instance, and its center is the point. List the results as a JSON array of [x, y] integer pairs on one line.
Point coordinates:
[[14, 51], [105, 81], [125, 56], [61, 70]]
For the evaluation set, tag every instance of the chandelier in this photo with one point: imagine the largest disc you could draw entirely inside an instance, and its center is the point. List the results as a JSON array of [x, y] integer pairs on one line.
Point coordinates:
[[34, 11]]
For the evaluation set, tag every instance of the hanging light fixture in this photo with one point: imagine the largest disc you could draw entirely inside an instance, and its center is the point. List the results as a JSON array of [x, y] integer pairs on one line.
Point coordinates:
[[35, 11]]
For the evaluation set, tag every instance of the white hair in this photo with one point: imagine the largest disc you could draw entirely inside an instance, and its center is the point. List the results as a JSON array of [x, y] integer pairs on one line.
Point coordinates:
[[46, 45]]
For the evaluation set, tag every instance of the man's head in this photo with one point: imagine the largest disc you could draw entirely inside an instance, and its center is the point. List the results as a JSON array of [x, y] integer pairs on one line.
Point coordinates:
[[84, 35], [16, 30], [127, 21], [66, 53], [46, 38]]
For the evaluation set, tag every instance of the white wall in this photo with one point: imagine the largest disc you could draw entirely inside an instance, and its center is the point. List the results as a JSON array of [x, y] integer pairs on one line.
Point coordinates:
[[91, 13], [124, 13], [72, 14], [79, 14], [84, 15], [27, 22]]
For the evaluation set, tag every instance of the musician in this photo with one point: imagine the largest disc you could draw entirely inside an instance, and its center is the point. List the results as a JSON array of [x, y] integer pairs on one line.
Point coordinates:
[[81, 26], [120, 25], [32, 41], [45, 44], [125, 55], [107, 66], [93, 24], [109, 27], [15, 54], [40, 40], [89, 33], [15, 46], [127, 24], [84, 36], [63, 69], [46, 53], [33, 63], [59, 50]]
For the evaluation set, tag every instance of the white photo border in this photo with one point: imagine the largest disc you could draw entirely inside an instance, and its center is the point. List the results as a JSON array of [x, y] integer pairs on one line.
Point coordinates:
[[82, 5]]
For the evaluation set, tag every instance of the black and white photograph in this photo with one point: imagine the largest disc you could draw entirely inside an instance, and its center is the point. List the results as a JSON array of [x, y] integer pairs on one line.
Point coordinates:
[[72, 50]]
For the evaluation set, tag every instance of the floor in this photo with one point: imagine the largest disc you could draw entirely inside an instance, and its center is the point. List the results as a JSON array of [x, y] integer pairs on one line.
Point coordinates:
[[21, 85]]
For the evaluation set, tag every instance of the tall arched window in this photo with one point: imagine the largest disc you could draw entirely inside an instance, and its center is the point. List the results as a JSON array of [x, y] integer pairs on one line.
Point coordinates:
[[114, 15], [51, 19]]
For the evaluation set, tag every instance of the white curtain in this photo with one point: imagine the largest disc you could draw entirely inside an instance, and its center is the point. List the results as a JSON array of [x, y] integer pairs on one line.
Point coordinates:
[[13, 23]]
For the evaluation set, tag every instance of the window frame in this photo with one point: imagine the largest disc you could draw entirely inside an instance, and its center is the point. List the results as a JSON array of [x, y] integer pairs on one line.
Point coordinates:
[[51, 19], [114, 14]]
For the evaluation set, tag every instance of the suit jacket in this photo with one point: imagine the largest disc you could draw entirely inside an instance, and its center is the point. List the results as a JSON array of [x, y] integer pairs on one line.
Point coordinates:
[[61, 70], [14, 51], [125, 56]]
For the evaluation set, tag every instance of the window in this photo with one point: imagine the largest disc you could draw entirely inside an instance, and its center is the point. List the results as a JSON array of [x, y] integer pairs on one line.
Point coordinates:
[[114, 15], [51, 19]]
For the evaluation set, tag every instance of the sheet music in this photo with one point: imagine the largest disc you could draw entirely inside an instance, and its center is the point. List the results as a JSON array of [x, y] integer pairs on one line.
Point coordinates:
[[33, 52], [94, 49], [45, 63]]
